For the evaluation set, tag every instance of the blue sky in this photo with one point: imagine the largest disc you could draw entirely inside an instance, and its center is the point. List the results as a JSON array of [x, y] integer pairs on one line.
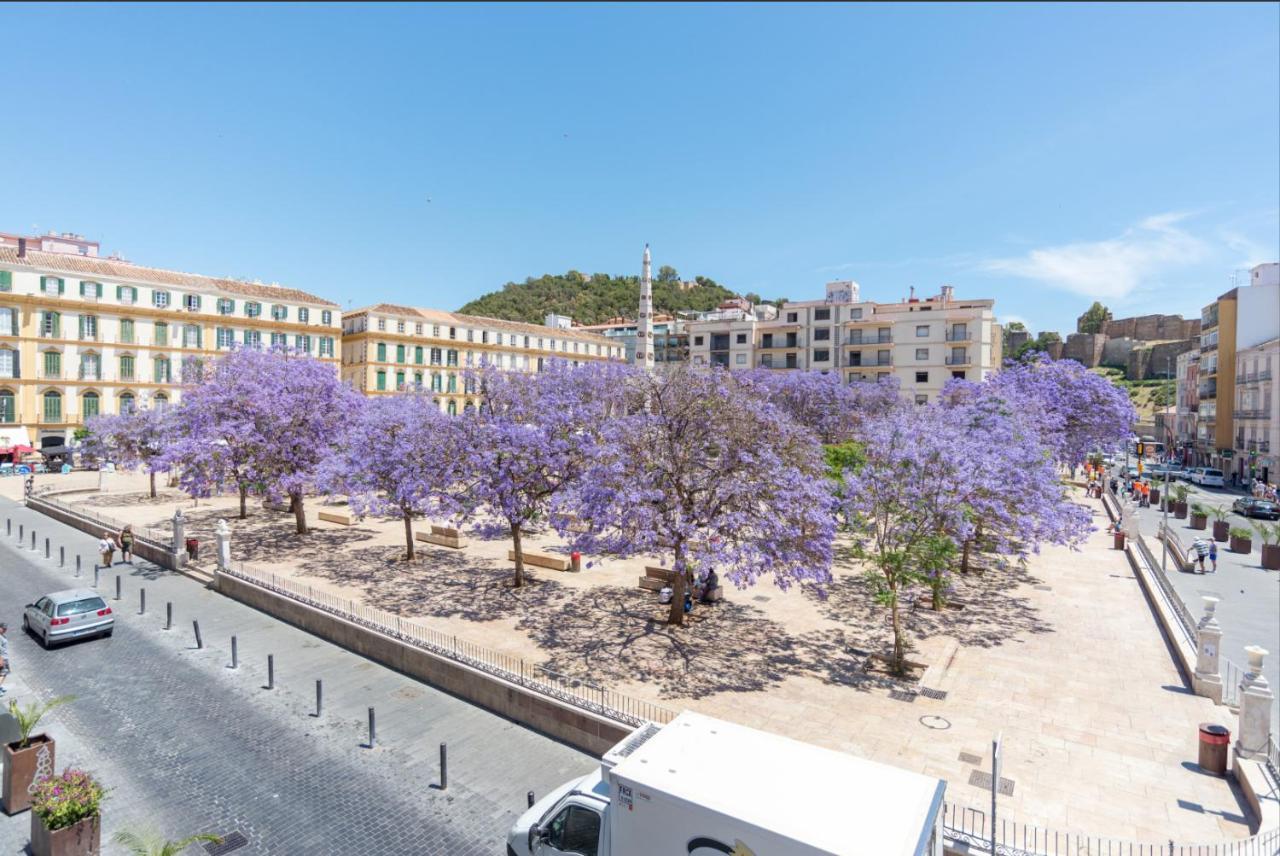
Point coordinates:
[[1041, 155]]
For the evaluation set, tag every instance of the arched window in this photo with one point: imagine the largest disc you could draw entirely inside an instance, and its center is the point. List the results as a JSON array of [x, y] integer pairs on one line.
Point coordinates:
[[52, 406], [8, 407], [89, 405], [127, 403], [161, 401], [453, 383], [162, 370], [453, 407], [469, 408]]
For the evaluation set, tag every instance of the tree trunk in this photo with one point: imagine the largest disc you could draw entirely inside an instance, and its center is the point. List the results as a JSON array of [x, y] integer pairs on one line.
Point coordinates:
[[675, 616], [964, 556], [515, 542], [244, 497], [153, 485], [299, 513], [899, 648], [408, 536]]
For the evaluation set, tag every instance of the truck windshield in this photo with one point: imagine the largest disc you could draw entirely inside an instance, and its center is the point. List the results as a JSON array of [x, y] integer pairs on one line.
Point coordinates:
[[576, 830]]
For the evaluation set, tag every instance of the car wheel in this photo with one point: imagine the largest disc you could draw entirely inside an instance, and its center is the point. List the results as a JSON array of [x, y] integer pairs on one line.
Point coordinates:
[[107, 635], [44, 640]]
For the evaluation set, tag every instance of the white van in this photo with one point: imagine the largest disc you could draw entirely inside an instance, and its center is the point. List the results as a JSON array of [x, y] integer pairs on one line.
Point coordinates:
[[1210, 477], [700, 786]]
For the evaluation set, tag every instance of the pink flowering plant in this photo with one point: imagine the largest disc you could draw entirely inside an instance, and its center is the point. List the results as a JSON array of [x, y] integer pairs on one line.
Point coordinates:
[[67, 798]]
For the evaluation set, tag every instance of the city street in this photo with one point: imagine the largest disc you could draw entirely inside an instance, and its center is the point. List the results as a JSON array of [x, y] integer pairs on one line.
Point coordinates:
[[187, 744], [1250, 596]]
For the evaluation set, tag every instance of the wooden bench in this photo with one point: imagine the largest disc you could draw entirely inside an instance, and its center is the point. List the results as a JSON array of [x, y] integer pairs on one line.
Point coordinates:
[[541, 560], [342, 518], [656, 578], [443, 536]]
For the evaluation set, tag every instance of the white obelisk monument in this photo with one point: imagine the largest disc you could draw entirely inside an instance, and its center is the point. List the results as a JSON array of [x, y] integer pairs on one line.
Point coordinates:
[[644, 327]]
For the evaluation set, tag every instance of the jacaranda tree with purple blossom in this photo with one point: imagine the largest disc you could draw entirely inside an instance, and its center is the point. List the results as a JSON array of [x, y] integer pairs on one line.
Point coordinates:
[[400, 458], [136, 439], [701, 467], [530, 441], [286, 411], [832, 409]]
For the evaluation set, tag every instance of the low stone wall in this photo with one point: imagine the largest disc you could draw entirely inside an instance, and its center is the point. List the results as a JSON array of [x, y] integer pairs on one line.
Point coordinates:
[[142, 548], [581, 729]]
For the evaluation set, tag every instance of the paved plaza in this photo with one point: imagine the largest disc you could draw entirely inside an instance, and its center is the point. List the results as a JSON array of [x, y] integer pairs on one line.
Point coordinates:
[[187, 744], [1063, 658]]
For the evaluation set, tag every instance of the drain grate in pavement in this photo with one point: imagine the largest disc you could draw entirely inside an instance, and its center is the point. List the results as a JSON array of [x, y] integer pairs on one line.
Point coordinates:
[[231, 841], [1044, 588], [938, 695], [970, 758], [979, 779], [902, 695]]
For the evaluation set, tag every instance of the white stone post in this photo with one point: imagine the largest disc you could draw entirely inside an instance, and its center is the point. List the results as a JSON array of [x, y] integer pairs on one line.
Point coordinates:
[[1206, 681], [222, 534], [1256, 698], [179, 549]]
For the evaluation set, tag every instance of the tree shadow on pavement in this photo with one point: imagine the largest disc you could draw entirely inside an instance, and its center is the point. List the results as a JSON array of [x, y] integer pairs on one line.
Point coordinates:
[[107, 500], [271, 536]]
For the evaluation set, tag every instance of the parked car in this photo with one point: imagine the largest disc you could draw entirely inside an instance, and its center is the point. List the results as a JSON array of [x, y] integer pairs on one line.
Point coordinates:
[[1194, 474], [1264, 509], [70, 614], [1210, 477]]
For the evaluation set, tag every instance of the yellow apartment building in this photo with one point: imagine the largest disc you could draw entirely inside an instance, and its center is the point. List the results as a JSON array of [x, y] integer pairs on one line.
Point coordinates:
[[387, 348], [82, 335]]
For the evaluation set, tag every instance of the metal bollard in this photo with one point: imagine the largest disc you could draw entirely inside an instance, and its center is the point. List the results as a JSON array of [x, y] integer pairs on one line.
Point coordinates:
[[117, 588], [142, 601], [33, 540], [8, 526], [46, 548], [373, 735], [95, 582], [319, 695], [95, 572], [62, 557], [444, 766], [21, 528], [271, 671], [531, 800], [199, 641], [168, 615], [235, 654]]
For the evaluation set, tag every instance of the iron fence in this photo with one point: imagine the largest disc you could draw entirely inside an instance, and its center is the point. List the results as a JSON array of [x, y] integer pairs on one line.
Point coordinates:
[[579, 692], [1232, 675], [968, 827], [156, 537]]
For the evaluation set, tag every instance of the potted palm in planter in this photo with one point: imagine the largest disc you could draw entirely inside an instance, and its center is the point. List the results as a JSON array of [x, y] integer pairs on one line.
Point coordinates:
[[66, 816], [1241, 540], [154, 845], [1180, 494], [29, 754], [1221, 528], [1199, 516], [1270, 537]]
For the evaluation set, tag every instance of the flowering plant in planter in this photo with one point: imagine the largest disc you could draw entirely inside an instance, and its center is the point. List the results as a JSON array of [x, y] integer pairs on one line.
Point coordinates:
[[67, 798]]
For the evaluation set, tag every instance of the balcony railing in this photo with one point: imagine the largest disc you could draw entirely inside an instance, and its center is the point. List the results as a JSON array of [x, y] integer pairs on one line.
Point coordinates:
[[959, 336], [1255, 377], [1250, 414], [46, 374], [961, 360], [858, 341], [1259, 446], [1209, 391]]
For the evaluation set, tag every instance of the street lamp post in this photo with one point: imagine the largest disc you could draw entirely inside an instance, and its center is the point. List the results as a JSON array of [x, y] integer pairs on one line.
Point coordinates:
[[1164, 500]]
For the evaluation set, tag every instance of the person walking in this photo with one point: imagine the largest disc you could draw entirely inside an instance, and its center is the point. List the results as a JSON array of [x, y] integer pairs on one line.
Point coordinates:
[[107, 548], [4, 655], [1213, 556], [126, 544], [1201, 549]]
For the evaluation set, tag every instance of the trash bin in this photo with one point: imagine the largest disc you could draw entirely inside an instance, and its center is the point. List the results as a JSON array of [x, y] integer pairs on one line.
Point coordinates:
[[193, 548], [1214, 740], [575, 559], [1119, 543]]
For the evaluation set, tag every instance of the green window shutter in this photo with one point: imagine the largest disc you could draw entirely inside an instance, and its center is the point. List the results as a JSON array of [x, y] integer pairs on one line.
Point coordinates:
[[62, 286], [417, 355], [119, 292], [382, 352], [382, 380], [82, 285], [6, 280], [82, 325], [399, 353], [399, 379]]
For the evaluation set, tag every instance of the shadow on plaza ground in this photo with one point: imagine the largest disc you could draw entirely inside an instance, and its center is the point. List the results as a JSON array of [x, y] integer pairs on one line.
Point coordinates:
[[106, 500]]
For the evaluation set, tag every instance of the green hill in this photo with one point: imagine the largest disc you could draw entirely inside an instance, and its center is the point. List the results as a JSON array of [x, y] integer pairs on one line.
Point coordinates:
[[594, 298]]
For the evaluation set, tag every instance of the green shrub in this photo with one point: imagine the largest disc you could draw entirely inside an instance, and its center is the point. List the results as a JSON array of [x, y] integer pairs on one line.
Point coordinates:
[[66, 799], [1241, 532]]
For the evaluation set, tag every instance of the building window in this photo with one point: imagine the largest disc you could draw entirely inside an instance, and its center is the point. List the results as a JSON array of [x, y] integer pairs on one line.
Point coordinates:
[[279, 340], [822, 356], [922, 399], [417, 381], [453, 407], [793, 317], [52, 365], [8, 321], [855, 314], [822, 334], [161, 370], [437, 383], [6, 280], [453, 383], [91, 290], [471, 335], [417, 354], [399, 380], [191, 336], [326, 317], [226, 337], [326, 346], [90, 367], [400, 352], [160, 299], [89, 405], [382, 352], [417, 331], [922, 330], [252, 309], [126, 368], [451, 358], [304, 316], [922, 377], [225, 306], [192, 302], [127, 294], [8, 408], [89, 327], [922, 353], [822, 315], [959, 375], [161, 402], [160, 334], [51, 325], [8, 363], [697, 341], [279, 312], [52, 406], [381, 380]]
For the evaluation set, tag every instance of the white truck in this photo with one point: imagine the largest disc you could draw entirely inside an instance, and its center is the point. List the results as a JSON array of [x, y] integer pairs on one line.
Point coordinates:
[[700, 786]]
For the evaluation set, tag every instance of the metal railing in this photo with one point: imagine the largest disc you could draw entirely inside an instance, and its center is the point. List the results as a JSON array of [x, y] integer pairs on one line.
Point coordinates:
[[959, 335], [1232, 675], [967, 827], [157, 537], [1271, 757], [958, 361], [580, 693]]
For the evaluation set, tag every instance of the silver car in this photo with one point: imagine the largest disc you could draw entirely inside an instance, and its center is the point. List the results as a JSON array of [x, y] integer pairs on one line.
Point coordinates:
[[70, 614]]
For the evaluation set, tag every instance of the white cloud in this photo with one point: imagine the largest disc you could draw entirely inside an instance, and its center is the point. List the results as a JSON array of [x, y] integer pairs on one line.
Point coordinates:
[[1112, 268]]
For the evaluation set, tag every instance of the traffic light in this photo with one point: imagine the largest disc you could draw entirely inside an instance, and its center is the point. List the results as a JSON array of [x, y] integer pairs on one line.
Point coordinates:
[[1142, 449]]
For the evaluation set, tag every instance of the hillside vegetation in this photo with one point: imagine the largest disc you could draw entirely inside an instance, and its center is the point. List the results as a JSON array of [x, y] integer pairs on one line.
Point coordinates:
[[1147, 396], [595, 298]]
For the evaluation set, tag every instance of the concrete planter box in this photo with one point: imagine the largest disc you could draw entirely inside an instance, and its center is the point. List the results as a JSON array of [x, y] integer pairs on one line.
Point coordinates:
[[20, 771], [80, 839], [1241, 545], [1155, 496], [1221, 530], [1199, 521], [1271, 557], [1180, 510]]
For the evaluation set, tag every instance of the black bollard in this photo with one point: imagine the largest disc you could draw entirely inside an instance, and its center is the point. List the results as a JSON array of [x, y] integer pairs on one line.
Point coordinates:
[[444, 766], [168, 615], [62, 557], [319, 695], [21, 528], [271, 671], [33, 540], [196, 626], [8, 526], [118, 588], [46, 548], [373, 734], [531, 800], [95, 572], [235, 654], [142, 601]]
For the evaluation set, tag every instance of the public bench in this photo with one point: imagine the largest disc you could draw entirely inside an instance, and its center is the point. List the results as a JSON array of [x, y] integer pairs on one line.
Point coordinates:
[[342, 518], [541, 560], [443, 536]]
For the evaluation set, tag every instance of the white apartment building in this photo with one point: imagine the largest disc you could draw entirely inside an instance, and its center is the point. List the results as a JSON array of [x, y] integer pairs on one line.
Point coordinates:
[[922, 342], [1257, 410]]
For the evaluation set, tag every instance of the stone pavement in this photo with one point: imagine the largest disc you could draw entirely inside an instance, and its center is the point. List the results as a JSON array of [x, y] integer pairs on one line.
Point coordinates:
[[188, 744], [1064, 658]]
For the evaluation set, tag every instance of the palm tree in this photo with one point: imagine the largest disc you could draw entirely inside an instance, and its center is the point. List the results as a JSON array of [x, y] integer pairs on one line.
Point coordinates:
[[153, 845]]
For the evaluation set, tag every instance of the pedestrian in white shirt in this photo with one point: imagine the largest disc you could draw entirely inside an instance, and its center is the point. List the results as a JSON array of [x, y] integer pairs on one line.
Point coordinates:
[[107, 547]]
